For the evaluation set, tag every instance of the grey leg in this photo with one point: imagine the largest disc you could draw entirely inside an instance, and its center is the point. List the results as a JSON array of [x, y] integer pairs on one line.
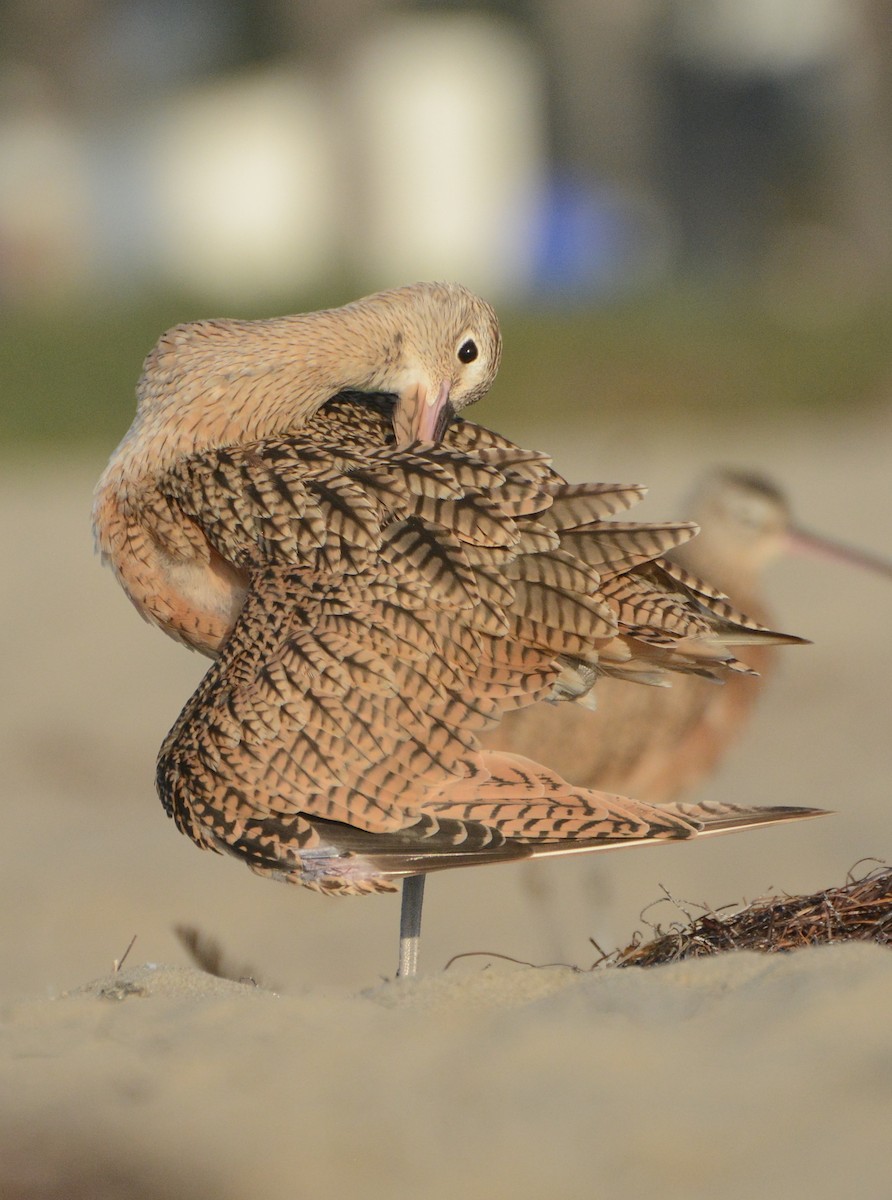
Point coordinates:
[[410, 925]]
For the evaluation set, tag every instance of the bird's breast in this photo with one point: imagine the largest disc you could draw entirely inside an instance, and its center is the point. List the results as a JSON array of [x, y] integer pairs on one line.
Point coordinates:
[[200, 601], [173, 576]]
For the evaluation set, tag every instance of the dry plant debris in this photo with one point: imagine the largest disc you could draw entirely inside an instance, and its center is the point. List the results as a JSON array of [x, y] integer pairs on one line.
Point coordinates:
[[859, 911]]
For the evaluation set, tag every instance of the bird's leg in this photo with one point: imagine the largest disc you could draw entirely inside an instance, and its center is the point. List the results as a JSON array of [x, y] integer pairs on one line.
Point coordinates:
[[410, 925]]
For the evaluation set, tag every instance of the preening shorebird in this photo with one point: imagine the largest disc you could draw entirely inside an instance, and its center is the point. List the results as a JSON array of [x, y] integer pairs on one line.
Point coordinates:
[[660, 743], [378, 580]]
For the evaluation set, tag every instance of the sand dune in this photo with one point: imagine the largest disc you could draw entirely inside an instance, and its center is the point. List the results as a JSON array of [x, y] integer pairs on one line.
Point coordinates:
[[737, 1077]]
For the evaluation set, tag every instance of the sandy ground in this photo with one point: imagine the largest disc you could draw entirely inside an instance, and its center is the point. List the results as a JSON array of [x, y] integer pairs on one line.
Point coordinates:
[[731, 1078]]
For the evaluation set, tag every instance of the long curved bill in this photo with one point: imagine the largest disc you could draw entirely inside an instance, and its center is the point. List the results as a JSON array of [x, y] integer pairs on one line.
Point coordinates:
[[815, 545], [419, 415]]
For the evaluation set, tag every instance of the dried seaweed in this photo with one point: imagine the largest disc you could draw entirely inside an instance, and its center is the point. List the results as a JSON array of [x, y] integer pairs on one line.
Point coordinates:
[[859, 911]]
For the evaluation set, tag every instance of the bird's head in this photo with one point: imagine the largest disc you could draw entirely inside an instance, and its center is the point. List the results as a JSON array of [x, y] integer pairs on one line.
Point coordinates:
[[442, 354], [743, 519], [746, 524]]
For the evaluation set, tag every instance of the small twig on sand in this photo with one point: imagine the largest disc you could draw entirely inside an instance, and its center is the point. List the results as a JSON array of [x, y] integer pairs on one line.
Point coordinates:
[[520, 962], [119, 962]]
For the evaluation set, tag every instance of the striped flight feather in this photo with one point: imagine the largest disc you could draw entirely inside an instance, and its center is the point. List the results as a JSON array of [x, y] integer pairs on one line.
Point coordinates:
[[564, 611], [556, 568], [614, 547], [475, 518], [436, 556]]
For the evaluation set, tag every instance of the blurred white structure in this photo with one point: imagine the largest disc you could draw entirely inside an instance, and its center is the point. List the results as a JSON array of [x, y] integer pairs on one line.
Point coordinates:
[[47, 242], [444, 120], [625, 140], [424, 157], [245, 181]]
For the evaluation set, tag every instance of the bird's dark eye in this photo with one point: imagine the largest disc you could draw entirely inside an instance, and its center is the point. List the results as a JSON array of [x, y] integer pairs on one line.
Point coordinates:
[[468, 351]]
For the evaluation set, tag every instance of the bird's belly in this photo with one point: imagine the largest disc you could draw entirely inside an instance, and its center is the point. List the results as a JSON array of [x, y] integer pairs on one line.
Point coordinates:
[[328, 870], [323, 868]]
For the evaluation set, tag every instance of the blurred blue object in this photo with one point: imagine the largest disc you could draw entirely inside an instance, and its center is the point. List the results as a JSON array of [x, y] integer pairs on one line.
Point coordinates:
[[588, 241]]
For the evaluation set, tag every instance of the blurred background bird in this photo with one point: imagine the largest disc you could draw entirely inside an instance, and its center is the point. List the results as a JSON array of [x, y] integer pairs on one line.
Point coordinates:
[[661, 742]]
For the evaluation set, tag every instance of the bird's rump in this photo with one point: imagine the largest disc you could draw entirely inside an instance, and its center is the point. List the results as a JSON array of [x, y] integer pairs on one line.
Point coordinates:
[[399, 601]]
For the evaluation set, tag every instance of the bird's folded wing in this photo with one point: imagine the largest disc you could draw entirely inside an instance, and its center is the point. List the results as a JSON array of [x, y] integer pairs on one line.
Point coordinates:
[[399, 601]]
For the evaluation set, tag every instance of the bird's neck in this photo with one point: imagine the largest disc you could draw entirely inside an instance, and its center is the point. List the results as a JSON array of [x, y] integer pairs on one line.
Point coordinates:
[[220, 383]]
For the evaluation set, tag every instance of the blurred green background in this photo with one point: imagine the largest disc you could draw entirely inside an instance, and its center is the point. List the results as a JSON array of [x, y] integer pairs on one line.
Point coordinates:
[[67, 377]]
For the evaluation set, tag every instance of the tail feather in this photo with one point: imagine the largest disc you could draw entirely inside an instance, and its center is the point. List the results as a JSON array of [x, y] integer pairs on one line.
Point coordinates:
[[715, 816], [531, 804]]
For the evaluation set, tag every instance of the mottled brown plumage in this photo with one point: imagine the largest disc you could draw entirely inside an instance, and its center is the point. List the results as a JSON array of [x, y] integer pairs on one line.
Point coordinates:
[[374, 602]]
